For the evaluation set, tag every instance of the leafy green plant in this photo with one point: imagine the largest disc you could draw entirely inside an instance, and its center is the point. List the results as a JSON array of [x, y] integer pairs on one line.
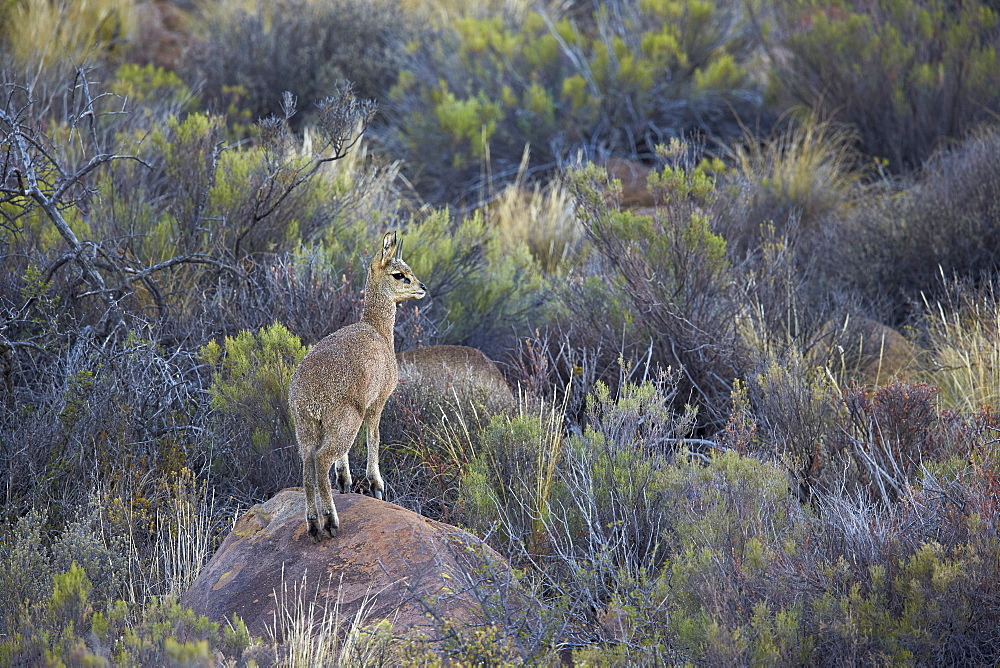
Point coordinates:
[[68, 628], [723, 555], [902, 73], [483, 88], [249, 394], [671, 271], [483, 289]]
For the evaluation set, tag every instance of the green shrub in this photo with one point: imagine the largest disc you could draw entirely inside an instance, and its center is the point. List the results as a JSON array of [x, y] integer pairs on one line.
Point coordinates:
[[148, 88], [483, 291], [255, 450], [735, 525], [487, 87], [513, 475], [903, 73], [66, 629], [588, 511], [915, 578], [672, 272]]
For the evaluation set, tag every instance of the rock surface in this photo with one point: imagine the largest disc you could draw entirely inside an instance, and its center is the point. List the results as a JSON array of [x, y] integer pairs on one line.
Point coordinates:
[[442, 367], [385, 559], [875, 353]]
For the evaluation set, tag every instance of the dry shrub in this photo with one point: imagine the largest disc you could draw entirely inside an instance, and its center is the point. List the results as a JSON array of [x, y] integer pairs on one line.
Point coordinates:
[[430, 434], [253, 52], [946, 225], [110, 409]]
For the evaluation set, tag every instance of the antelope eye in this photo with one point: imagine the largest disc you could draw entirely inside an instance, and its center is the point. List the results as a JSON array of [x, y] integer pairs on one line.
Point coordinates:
[[399, 276]]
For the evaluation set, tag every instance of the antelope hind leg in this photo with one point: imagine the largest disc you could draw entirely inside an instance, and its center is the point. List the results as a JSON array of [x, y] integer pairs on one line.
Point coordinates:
[[307, 435], [337, 439], [309, 482]]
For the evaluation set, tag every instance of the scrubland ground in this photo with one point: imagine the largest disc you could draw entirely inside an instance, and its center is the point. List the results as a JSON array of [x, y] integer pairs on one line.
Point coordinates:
[[757, 387]]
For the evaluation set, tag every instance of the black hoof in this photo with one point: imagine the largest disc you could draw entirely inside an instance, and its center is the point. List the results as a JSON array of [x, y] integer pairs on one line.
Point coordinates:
[[329, 526]]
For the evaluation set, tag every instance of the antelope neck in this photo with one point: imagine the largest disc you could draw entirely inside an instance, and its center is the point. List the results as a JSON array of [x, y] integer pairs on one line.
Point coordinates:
[[379, 311]]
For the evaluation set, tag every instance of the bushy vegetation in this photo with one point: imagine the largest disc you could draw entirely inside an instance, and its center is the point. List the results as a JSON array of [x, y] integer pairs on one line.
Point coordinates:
[[905, 75], [755, 420], [621, 79]]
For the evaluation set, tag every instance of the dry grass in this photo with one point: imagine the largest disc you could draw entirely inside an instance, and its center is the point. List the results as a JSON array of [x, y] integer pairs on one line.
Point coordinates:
[[544, 217], [965, 362], [186, 534], [42, 33], [307, 631], [807, 171]]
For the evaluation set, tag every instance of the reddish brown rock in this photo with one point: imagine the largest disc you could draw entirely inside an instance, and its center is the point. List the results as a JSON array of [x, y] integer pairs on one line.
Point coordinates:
[[385, 558], [462, 367], [866, 350], [634, 177]]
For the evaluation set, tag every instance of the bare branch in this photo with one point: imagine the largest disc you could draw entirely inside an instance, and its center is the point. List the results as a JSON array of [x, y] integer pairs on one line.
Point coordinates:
[[50, 206], [197, 258]]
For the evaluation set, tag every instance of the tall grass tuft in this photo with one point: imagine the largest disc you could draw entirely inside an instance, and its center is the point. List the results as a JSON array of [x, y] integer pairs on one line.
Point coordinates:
[[965, 357], [800, 175], [544, 217], [185, 531], [308, 631], [43, 34]]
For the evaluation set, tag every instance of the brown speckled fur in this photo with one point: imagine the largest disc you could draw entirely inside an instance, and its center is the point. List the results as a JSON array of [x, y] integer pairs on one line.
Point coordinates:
[[345, 380]]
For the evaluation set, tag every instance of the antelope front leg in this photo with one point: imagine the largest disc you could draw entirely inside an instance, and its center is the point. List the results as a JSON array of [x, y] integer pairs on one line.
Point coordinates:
[[374, 474], [344, 480]]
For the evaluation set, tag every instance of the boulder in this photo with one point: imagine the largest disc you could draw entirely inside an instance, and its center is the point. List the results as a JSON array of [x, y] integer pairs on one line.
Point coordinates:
[[868, 351], [633, 176], [386, 561], [444, 367]]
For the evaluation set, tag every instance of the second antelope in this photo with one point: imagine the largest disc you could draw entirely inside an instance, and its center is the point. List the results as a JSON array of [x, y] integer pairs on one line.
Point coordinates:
[[345, 381]]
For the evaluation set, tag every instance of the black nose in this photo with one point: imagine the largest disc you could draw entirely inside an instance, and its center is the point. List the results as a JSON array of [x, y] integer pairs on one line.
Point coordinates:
[[423, 287]]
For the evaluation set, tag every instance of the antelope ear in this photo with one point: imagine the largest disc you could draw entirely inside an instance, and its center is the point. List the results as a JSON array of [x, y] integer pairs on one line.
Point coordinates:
[[389, 246], [399, 250]]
